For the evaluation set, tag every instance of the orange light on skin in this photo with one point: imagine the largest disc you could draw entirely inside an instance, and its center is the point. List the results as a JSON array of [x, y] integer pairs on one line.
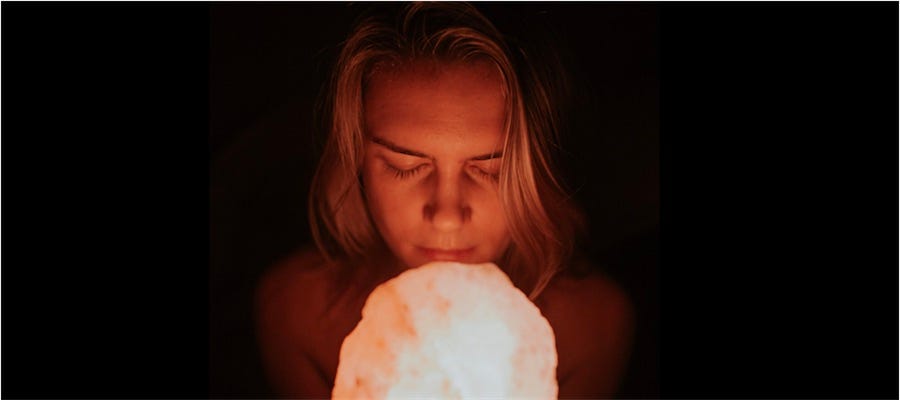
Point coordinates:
[[448, 330]]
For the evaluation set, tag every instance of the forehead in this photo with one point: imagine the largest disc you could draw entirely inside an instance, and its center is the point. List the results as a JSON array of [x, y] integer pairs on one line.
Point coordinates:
[[437, 107]]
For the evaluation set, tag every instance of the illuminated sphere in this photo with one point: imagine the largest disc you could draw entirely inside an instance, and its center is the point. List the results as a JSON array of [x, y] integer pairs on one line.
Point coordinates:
[[448, 330]]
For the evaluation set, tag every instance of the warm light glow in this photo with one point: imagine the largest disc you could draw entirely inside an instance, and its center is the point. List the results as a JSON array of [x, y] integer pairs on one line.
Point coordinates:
[[448, 330]]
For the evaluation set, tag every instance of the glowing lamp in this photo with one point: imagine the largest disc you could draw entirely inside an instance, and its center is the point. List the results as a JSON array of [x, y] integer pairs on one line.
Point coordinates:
[[448, 330]]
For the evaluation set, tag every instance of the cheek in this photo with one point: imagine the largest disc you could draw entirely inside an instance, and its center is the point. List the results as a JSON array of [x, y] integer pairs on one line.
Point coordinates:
[[490, 223], [390, 204], [495, 220]]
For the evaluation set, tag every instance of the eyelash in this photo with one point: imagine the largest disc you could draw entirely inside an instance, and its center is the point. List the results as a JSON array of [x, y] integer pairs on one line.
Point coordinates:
[[404, 173], [409, 173], [485, 175]]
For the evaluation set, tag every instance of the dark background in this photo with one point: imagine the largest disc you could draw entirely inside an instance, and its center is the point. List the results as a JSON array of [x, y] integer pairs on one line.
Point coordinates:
[[267, 65]]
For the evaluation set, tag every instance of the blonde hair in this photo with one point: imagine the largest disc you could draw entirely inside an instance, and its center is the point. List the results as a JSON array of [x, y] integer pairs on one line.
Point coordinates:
[[542, 221]]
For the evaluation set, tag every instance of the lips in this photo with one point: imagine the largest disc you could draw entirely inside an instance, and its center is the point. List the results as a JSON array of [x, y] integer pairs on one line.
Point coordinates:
[[446, 254]]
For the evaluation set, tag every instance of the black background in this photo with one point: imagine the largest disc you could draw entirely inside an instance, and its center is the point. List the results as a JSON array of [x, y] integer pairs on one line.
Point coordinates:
[[777, 199]]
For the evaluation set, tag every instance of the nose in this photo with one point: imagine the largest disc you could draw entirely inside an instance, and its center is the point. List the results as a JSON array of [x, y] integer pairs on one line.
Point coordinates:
[[447, 209]]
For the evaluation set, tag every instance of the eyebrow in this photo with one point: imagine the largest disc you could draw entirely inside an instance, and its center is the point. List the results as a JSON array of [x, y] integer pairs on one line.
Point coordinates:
[[402, 150]]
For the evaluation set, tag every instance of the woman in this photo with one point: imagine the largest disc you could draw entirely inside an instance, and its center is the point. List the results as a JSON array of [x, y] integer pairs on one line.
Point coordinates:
[[439, 148]]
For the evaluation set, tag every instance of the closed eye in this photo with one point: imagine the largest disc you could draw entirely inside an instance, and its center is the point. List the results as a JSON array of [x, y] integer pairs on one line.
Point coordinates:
[[400, 173], [484, 174]]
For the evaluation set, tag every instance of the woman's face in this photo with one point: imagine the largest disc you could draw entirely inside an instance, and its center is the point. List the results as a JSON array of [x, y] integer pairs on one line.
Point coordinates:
[[432, 161]]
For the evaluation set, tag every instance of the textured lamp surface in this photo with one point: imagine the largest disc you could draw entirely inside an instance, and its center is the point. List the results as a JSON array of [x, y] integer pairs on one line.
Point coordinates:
[[448, 330]]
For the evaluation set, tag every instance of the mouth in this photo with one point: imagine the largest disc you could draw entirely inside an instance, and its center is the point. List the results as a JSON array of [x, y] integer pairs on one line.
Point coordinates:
[[446, 254]]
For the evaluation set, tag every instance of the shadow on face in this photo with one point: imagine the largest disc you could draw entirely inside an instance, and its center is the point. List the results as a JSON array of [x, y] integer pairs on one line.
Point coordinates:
[[432, 161]]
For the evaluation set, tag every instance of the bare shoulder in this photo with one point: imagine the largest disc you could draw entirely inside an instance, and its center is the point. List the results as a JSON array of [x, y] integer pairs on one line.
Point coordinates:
[[592, 319], [289, 291], [289, 304], [593, 298], [304, 266]]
